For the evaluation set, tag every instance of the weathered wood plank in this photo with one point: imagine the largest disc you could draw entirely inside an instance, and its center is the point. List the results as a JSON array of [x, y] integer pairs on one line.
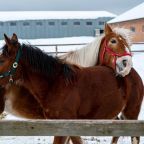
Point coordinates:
[[71, 127]]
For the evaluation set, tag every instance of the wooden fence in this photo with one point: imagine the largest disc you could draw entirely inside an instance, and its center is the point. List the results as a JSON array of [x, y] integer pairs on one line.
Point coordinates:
[[71, 128]]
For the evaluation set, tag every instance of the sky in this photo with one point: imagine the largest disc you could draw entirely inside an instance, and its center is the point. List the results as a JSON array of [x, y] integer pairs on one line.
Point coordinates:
[[114, 6]]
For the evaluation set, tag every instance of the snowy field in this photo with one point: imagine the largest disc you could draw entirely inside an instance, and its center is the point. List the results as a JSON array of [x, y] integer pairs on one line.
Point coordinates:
[[138, 63]]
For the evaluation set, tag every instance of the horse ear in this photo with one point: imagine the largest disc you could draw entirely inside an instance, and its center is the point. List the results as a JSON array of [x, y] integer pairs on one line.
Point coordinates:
[[7, 39], [107, 29], [14, 37]]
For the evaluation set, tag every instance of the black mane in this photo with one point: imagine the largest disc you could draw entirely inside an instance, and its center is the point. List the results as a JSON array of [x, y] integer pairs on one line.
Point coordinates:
[[45, 64]]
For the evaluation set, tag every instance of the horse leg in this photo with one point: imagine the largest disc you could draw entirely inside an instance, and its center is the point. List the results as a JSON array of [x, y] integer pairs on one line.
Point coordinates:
[[132, 109], [76, 140], [134, 139], [2, 100], [115, 139], [66, 140], [132, 114], [60, 140]]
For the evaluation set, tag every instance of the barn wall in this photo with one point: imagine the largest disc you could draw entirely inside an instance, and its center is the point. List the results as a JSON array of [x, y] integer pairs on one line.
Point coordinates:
[[52, 28], [136, 26]]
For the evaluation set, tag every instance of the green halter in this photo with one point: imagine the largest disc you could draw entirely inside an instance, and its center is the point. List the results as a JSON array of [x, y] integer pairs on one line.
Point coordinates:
[[13, 67]]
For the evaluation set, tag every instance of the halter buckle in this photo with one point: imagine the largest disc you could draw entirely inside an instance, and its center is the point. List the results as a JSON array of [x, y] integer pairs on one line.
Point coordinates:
[[15, 65], [11, 79]]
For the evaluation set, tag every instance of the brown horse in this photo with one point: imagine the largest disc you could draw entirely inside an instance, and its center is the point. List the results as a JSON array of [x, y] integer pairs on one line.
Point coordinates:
[[69, 82], [23, 104], [116, 43]]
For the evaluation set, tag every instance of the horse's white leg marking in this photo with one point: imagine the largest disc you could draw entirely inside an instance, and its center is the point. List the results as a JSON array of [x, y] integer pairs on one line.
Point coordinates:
[[67, 140], [135, 140]]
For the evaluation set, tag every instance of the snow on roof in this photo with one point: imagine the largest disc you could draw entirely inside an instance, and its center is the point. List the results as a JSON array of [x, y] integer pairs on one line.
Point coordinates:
[[134, 13], [33, 15]]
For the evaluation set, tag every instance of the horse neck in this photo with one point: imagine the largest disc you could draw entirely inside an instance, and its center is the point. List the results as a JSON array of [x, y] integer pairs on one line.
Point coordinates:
[[30, 74], [63, 72]]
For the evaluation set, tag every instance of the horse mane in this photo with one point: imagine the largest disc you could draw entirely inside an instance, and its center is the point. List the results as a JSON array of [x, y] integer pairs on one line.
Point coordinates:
[[125, 33], [45, 64], [86, 56]]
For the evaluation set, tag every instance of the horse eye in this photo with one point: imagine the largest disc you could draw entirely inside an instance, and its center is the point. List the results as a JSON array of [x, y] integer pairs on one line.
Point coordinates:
[[113, 41]]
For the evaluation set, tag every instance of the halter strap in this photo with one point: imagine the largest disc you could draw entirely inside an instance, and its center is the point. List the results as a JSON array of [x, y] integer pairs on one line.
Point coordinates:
[[13, 67], [112, 53]]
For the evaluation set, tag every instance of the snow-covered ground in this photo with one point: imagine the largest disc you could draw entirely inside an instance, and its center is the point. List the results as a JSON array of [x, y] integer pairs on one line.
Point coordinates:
[[138, 63]]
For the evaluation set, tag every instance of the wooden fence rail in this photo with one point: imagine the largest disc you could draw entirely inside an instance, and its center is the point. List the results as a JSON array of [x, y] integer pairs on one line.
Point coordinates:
[[71, 127]]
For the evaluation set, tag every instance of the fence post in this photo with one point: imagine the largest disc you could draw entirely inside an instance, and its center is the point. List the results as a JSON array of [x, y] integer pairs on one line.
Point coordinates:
[[56, 49]]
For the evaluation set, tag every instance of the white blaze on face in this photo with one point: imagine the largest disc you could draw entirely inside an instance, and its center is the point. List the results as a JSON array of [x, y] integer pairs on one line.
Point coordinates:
[[123, 65]]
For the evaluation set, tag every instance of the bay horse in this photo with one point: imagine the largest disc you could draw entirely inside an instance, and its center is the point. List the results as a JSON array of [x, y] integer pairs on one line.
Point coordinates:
[[32, 100], [69, 78]]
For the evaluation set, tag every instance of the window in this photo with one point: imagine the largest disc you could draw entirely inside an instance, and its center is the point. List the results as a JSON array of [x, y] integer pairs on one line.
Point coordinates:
[[12, 23], [1, 23], [89, 23], [39, 23], [51, 23], [64, 23], [77, 23], [143, 28], [26, 24], [132, 29], [101, 22]]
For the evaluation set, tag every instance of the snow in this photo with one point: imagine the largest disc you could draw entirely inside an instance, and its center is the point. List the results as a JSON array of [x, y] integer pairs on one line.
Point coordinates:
[[43, 15], [57, 41], [138, 64], [132, 14]]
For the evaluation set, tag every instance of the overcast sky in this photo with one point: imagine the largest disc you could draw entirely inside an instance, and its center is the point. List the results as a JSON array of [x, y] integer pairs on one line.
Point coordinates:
[[114, 6]]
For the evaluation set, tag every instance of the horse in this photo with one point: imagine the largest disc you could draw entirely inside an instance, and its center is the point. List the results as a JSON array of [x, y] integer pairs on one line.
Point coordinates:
[[87, 56], [13, 42], [23, 104], [104, 51], [107, 30]]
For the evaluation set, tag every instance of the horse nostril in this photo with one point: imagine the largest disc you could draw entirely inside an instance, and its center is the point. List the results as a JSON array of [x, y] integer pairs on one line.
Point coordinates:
[[124, 62]]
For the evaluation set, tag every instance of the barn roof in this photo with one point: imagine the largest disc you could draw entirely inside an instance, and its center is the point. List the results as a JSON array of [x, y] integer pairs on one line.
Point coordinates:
[[39, 15], [134, 13]]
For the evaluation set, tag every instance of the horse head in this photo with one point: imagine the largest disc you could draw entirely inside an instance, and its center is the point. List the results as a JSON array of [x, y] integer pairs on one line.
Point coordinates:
[[115, 52], [9, 58]]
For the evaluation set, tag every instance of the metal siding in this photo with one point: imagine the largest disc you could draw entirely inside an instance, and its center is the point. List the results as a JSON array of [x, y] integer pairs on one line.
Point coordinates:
[[52, 31]]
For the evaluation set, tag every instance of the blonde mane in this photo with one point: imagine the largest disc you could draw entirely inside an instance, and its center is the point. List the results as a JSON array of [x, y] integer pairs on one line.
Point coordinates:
[[88, 55]]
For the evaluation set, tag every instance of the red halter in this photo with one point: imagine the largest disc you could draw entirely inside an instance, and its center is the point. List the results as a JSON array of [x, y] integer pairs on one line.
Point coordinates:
[[112, 53]]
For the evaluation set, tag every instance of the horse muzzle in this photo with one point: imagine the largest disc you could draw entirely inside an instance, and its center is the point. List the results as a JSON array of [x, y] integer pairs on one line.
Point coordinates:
[[124, 65]]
